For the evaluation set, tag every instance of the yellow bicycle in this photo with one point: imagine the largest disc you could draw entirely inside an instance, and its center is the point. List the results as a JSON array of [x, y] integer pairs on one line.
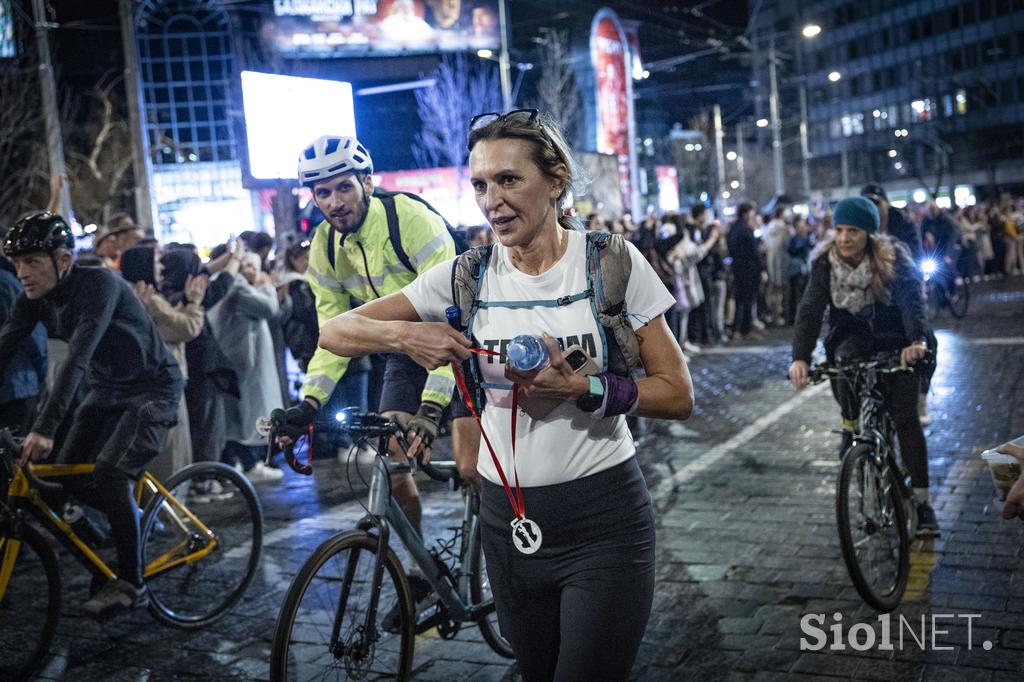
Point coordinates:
[[201, 538]]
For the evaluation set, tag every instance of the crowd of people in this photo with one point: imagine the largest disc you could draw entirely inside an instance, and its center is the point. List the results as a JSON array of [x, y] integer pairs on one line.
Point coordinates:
[[732, 279]]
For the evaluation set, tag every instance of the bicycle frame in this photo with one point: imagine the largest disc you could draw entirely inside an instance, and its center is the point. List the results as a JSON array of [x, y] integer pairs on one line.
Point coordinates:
[[22, 495], [384, 515]]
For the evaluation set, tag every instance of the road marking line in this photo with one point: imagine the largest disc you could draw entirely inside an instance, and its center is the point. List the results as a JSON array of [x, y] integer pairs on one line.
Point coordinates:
[[712, 456], [731, 350], [994, 341]]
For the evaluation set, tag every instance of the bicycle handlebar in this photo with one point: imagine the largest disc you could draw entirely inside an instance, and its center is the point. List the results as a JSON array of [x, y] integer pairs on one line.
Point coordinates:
[[883, 363], [359, 424], [13, 445]]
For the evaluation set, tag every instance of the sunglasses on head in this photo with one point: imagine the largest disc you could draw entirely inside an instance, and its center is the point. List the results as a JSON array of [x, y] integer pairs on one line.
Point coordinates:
[[481, 120]]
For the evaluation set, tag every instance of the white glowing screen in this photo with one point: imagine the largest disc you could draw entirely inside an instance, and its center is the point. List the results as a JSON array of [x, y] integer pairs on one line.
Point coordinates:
[[283, 114]]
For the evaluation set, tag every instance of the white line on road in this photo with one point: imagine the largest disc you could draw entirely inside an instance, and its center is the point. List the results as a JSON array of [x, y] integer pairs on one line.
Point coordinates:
[[995, 341], [712, 456]]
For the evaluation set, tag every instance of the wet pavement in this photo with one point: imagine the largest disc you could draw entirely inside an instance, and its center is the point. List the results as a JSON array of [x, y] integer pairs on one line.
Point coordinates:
[[744, 496]]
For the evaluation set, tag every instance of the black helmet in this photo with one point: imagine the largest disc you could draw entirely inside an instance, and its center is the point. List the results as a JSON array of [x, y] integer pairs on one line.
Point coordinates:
[[38, 231]]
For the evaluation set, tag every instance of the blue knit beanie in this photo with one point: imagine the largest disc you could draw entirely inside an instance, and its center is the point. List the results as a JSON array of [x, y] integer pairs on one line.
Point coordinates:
[[856, 211]]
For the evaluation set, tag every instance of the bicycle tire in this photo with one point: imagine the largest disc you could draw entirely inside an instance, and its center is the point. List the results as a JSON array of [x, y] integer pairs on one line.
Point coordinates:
[[959, 299], [18, 661], [883, 595], [478, 592], [197, 593], [302, 642]]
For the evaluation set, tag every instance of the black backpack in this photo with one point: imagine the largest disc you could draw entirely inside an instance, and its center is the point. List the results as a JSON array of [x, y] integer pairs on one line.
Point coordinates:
[[394, 233]]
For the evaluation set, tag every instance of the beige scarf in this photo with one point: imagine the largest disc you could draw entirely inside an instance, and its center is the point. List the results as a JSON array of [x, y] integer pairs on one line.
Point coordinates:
[[850, 286]]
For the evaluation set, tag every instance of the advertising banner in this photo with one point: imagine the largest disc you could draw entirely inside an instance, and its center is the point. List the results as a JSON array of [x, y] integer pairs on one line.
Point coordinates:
[[610, 55], [668, 188], [360, 28]]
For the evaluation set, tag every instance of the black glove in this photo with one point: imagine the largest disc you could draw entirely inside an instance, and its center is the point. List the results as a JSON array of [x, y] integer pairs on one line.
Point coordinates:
[[302, 414], [426, 423]]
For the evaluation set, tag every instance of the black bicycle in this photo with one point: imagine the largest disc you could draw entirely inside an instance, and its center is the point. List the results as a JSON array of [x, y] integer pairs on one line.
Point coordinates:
[[875, 509], [944, 287], [349, 612]]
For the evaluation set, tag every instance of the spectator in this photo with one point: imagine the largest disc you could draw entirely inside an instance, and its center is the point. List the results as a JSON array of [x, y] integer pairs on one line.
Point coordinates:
[[746, 268], [25, 376], [300, 324], [240, 323], [776, 238], [117, 236], [177, 324], [595, 222], [893, 220], [798, 267], [477, 235]]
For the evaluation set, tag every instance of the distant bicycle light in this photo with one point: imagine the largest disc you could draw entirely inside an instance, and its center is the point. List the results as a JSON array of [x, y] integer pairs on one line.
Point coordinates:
[[928, 267]]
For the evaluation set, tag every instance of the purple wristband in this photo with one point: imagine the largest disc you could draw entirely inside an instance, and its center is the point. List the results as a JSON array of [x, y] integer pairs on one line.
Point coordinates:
[[620, 395]]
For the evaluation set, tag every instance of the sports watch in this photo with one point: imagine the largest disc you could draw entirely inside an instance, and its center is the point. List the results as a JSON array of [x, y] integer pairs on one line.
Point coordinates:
[[594, 397]]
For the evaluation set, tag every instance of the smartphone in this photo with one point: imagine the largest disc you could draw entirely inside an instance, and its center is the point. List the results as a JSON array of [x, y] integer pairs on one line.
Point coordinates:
[[580, 362]]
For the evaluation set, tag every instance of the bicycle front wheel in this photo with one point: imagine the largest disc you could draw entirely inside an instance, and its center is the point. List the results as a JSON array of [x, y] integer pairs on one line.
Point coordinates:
[[480, 590], [29, 602], [324, 631], [873, 528], [201, 546], [959, 298]]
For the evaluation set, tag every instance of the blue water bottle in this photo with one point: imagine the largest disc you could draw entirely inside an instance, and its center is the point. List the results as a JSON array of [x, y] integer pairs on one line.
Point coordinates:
[[527, 353]]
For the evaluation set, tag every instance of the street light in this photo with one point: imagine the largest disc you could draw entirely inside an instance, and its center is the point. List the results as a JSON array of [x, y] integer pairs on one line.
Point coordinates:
[[762, 123], [811, 30], [835, 76], [485, 53], [892, 153], [735, 184], [731, 156]]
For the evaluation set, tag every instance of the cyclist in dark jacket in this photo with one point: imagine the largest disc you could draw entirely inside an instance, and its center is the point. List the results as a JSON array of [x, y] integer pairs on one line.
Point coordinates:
[[25, 376], [875, 301], [134, 384]]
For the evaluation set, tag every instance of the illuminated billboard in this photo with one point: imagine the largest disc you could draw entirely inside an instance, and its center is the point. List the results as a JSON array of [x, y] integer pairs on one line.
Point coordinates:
[[283, 114], [358, 28], [6, 30]]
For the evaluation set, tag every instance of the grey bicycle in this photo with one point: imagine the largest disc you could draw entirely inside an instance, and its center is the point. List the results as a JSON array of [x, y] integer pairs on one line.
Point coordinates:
[[349, 612]]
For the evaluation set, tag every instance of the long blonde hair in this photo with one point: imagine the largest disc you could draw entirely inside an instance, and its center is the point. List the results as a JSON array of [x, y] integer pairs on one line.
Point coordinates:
[[881, 259]]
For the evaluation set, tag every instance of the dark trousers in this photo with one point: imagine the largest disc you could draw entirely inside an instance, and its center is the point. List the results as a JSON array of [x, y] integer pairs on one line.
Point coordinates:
[[577, 608], [900, 392], [205, 404], [745, 294], [797, 284]]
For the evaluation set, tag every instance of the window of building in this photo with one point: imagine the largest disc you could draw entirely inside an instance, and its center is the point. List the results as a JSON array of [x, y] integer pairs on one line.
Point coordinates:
[[922, 109], [852, 124], [984, 9], [186, 56], [947, 105], [961, 102], [913, 32], [970, 13], [927, 28]]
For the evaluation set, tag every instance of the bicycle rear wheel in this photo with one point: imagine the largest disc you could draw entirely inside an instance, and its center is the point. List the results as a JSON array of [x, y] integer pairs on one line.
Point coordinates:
[[959, 298], [873, 528], [480, 590], [200, 549], [30, 604], [322, 630]]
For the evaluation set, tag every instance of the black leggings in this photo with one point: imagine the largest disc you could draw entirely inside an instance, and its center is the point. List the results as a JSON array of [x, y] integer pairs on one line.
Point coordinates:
[[900, 391], [577, 608]]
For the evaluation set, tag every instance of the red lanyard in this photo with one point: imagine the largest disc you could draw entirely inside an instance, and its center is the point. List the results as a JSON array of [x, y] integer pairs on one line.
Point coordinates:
[[516, 500]]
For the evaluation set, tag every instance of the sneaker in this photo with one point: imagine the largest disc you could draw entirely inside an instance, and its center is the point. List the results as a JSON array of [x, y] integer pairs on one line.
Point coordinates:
[[114, 597], [204, 492], [690, 348], [922, 410], [846, 440], [423, 597], [927, 524], [261, 473]]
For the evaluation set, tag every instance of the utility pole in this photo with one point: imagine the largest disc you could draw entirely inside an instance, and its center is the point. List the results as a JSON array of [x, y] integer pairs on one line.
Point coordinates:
[[773, 110], [503, 58], [141, 165], [54, 138], [805, 148], [740, 159], [719, 157]]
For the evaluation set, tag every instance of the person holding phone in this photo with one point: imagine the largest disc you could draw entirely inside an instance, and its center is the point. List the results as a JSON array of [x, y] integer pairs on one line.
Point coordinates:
[[568, 529]]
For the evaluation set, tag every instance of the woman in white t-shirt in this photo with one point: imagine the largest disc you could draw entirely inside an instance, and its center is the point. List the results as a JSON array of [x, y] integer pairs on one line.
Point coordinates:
[[572, 568]]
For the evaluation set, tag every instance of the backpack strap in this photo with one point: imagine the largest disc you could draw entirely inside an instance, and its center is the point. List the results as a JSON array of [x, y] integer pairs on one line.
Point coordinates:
[[608, 270], [330, 245], [468, 272], [394, 233]]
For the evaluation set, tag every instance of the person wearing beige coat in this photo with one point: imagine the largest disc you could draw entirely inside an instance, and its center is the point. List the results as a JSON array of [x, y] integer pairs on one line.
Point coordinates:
[[177, 324]]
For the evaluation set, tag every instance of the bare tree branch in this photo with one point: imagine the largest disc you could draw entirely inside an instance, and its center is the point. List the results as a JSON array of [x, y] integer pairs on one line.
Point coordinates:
[[558, 95]]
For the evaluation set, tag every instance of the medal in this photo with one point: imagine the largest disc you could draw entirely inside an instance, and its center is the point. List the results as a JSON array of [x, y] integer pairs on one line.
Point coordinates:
[[526, 535]]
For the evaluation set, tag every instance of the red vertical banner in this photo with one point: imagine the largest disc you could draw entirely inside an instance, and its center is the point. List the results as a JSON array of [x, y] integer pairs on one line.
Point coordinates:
[[609, 52]]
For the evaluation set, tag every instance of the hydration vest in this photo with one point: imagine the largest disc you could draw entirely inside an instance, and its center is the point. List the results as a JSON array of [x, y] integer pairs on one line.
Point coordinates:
[[608, 269]]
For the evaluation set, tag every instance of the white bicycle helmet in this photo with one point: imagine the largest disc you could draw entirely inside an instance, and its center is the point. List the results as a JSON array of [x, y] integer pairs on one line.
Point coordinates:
[[332, 155]]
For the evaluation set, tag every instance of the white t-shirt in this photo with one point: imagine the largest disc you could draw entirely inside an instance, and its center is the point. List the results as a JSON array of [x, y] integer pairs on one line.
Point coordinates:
[[567, 444]]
